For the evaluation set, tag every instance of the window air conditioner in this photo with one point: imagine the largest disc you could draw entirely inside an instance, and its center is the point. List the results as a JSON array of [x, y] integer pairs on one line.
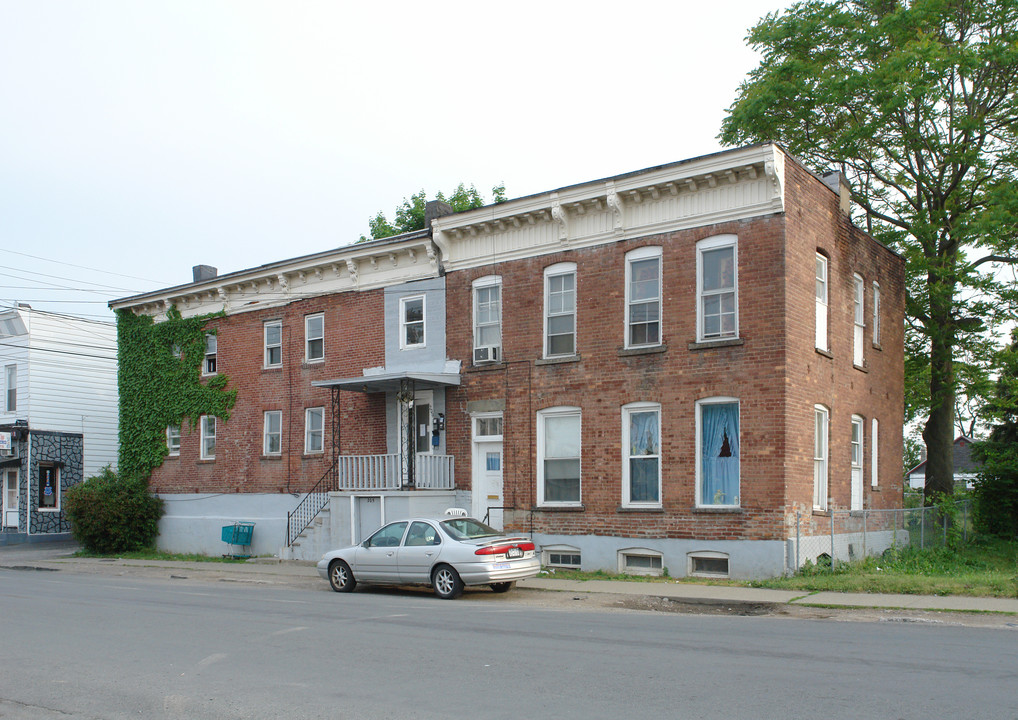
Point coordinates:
[[486, 354]]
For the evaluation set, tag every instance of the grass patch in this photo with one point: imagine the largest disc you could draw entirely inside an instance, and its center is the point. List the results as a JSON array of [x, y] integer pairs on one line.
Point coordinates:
[[984, 568], [158, 555]]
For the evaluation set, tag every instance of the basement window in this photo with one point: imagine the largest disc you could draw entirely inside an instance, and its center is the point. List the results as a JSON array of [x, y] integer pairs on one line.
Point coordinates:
[[561, 556], [640, 561], [708, 564]]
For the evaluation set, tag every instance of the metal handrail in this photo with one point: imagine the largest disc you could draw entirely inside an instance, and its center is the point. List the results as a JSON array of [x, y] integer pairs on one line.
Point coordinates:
[[309, 506]]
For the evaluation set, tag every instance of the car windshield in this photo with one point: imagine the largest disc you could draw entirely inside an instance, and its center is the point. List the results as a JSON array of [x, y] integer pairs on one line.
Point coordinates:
[[468, 529]]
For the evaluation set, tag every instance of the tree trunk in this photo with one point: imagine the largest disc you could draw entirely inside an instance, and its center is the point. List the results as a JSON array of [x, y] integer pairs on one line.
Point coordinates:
[[939, 430]]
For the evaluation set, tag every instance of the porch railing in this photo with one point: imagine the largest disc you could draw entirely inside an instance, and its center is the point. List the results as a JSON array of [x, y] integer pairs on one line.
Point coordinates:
[[369, 472]]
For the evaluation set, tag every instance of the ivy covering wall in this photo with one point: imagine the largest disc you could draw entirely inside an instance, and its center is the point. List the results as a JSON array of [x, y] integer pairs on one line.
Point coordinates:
[[158, 388]]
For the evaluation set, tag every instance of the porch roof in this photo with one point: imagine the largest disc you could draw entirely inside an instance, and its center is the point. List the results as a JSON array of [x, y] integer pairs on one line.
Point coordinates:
[[390, 382]]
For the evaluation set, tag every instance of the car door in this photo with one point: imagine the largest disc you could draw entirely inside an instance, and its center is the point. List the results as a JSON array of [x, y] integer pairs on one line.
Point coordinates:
[[376, 558], [419, 552]]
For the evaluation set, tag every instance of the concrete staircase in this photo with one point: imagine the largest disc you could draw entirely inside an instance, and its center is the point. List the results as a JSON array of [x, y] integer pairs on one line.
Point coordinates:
[[313, 541]]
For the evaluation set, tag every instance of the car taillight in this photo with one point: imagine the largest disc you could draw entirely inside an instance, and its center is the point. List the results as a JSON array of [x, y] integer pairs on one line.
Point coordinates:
[[503, 549]]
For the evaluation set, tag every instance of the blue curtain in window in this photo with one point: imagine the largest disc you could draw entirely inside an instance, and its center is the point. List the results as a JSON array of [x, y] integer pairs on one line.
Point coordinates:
[[720, 470]]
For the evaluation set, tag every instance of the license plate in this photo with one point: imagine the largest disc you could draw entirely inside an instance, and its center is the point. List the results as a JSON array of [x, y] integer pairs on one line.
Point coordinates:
[[503, 566], [514, 553]]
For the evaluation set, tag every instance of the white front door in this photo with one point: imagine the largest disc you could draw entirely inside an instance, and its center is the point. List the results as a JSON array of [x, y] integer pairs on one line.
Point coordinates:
[[10, 499], [487, 485]]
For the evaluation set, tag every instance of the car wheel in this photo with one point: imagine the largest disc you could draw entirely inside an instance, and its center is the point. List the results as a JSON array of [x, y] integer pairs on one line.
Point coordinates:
[[502, 587], [340, 577], [446, 582]]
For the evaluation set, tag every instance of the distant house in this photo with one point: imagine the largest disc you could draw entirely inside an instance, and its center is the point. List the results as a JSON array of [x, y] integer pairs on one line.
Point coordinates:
[[965, 467], [58, 416]]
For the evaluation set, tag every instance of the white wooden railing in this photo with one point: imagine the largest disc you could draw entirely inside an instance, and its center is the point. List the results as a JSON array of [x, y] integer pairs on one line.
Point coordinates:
[[382, 472]]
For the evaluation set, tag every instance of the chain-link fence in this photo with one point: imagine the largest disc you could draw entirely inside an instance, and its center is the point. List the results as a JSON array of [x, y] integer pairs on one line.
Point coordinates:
[[845, 535]]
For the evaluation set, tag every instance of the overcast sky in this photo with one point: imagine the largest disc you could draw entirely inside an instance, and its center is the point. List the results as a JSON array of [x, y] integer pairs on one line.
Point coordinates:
[[143, 137]]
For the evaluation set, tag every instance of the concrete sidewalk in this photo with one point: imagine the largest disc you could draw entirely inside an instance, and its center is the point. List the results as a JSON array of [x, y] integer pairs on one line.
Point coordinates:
[[59, 556]]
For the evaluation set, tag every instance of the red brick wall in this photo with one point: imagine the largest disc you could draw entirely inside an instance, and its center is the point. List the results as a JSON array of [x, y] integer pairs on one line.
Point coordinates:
[[354, 339], [775, 373]]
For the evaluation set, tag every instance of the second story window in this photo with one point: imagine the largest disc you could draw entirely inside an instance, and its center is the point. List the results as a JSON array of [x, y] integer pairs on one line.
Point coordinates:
[[11, 380], [411, 322], [858, 293], [643, 297], [273, 343], [717, 288], [560, 310], [876, 314], [487, 319], [314, 338], [821, 305], [211, 345]]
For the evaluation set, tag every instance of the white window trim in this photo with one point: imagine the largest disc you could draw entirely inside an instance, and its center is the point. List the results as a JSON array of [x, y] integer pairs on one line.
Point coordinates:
[[548, 550], [628, 410], [714, 243], [858, 320], [821, 335], [876, 313], [476, 436], [307, 430], [692, 557], [558, 270], [478, 284], [207, 355], [719, 400], [640, 552], [857, 422], [874, 444], [170, 450], [645, 253], [266, 347], [403, 344], [56, 489], [821, 485], [205, 434], [10, 370], [308, 338], [265, 433], [542, 415]]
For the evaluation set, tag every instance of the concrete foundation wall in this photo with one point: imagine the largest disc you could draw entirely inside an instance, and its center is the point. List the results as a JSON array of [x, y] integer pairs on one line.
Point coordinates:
[[193, 523]]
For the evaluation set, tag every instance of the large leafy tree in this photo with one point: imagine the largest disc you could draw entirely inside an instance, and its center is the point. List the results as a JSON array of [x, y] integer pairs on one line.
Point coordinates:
[[914, 100], [410, 215]]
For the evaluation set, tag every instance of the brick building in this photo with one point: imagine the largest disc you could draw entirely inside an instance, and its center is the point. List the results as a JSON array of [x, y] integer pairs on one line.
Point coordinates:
[[654, 370]]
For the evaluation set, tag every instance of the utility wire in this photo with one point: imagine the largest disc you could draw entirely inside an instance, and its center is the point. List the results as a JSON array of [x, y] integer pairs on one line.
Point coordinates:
[[83, 267]]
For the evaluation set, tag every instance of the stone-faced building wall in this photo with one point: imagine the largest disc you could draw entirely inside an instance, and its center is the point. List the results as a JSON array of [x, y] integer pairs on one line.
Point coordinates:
[[56, 457]]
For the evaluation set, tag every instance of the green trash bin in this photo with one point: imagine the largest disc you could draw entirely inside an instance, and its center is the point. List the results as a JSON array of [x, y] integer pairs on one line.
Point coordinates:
[[238, 534]]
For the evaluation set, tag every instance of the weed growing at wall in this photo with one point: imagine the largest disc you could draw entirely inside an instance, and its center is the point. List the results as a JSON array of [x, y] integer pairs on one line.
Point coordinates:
[[160, 383]]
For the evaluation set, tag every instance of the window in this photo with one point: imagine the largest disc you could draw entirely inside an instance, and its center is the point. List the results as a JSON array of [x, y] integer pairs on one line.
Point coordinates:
[[718, 452], [314, 430], [563, 557], [487, 319], [641, 455], [208, 437], [821, 321], [314, 338], [643, 297], [558, 456], [717, 288], [49, 487], [857, 454], [272, 442], [858, 292], [173, 440], [388, 536], [488, 427], [273, 343], [640, 561], [209, 366], [411, 322], [874, 466], [11, 374], [708, 564], [560, 310], [820, 457], [876, 314]]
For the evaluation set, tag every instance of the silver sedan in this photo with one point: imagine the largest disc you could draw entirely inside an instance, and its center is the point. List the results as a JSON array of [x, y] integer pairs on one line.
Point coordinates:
[[445, 554]]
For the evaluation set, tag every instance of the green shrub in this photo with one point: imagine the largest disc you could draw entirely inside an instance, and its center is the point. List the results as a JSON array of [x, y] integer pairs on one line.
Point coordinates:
[[111, 514]]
